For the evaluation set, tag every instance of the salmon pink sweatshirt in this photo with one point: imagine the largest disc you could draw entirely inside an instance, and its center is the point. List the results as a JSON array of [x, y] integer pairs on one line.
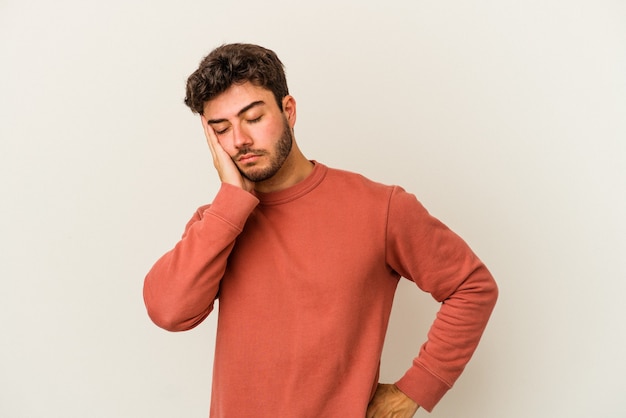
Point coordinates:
[[305, 279]]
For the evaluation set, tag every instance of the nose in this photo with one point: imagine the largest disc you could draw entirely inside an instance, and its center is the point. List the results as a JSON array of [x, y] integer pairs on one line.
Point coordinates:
[[241, 138]]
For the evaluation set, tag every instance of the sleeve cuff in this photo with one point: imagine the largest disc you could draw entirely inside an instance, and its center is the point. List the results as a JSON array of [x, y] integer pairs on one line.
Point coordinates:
[[233, 205], [423, 387]]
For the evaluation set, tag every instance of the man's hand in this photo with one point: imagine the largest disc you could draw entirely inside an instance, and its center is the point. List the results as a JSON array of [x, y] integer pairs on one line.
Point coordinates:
[[390, 402], [225, 166]]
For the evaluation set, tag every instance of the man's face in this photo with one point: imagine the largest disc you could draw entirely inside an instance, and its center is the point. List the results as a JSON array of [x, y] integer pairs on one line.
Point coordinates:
[[252, 129]]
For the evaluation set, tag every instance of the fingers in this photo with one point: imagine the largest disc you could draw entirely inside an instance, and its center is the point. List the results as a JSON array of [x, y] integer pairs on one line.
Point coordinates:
[[389, 401], [225, 166], [211, 138], [221, 159]]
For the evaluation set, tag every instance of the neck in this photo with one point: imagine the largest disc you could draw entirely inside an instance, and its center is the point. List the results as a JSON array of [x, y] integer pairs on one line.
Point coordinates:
[[295, 169]]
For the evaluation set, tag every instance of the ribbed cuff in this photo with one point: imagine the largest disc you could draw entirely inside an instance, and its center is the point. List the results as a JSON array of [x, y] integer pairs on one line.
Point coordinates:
[[423, 387], [233, 205]]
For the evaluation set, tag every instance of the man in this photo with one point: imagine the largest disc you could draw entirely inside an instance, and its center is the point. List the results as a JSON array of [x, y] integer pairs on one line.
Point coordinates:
[[305, 260]]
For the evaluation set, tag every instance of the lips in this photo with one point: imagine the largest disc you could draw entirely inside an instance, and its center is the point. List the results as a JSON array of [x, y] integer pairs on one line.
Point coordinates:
[[248, 158]]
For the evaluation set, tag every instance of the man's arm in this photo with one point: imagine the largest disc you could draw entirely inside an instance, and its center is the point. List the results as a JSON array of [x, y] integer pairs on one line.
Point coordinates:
[[181, 287], [424, 250]]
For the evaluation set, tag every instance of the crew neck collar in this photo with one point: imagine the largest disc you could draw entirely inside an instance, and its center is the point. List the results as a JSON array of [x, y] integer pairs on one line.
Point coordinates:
[[297, 190]]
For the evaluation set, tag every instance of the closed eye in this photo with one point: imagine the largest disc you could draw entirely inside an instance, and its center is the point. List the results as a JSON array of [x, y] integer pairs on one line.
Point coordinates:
[[255, 120]]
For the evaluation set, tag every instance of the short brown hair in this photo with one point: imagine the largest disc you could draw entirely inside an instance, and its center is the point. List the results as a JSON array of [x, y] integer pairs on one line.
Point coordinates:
[[235, 64]]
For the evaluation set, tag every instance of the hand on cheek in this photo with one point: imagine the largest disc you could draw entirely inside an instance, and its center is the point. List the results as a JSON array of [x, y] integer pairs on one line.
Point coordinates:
[[225, 166]]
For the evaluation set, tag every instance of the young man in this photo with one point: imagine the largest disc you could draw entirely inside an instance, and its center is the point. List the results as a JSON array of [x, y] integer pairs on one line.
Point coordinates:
[[305, 260]]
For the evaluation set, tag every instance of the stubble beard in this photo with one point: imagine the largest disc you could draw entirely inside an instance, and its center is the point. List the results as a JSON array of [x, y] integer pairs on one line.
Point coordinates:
[[277, 157]]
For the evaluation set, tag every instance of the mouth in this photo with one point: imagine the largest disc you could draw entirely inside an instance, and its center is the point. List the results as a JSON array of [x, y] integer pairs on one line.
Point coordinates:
[[248, 158]]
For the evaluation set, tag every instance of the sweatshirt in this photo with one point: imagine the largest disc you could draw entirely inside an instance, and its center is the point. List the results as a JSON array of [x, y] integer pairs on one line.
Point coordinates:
[[305, 278]]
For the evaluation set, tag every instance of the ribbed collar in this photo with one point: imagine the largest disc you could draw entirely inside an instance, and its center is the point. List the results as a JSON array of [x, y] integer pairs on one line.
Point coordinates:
[[297, 190]]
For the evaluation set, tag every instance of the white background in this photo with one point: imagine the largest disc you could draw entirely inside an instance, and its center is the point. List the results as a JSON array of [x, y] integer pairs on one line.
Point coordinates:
[[506, 118]]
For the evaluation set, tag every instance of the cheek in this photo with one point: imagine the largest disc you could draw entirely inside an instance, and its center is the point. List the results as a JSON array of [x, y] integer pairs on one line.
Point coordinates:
[[274, 131], [269, 135], [226, 141]]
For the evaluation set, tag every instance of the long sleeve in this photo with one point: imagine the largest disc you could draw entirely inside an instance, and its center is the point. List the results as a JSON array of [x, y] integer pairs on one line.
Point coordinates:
[[180, 289], [422, 249]]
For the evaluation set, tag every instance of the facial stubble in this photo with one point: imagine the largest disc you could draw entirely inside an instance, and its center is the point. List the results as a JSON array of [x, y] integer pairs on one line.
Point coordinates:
[[277, 157]]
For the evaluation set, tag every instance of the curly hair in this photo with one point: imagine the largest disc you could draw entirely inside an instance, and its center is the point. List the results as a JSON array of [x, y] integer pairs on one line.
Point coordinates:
[[235, 64]]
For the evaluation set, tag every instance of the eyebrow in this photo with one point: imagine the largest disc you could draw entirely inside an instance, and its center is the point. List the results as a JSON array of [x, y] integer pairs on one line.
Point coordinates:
[[241, 112]]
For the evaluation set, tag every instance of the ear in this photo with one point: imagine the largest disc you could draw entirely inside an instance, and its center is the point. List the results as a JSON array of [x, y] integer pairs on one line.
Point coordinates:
[[289, 110]]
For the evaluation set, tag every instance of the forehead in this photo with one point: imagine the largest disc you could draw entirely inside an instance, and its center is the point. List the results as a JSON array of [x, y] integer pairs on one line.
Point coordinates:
[[229, 103]]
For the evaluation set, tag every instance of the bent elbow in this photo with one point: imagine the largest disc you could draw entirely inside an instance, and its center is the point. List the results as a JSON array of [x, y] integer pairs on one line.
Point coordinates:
[[493, 292], [170, 315], [165, 320], [173, 321]]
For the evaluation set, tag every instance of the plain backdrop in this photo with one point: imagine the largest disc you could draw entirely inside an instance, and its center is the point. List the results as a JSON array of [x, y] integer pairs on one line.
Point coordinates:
[[506, 118]]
